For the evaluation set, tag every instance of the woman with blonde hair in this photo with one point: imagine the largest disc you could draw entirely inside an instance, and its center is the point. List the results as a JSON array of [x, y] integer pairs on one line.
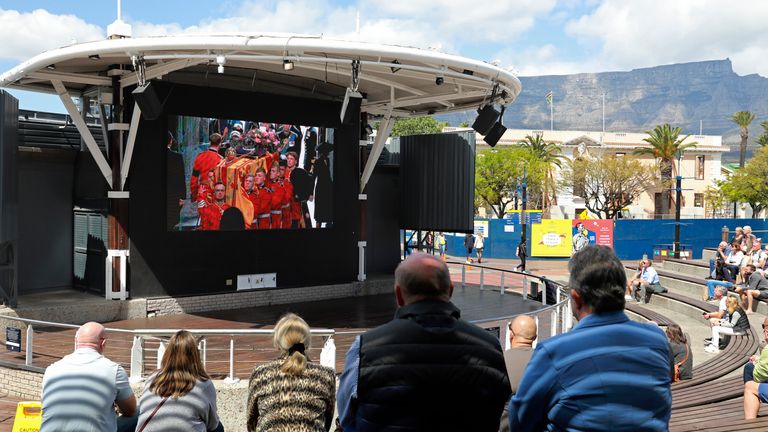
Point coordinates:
[[736, 325], [291, 394], [180, 396]]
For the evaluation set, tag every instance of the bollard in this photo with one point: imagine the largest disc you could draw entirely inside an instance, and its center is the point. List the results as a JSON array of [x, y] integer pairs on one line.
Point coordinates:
[[463, 276], [501, 288], [482, 278], [231, 379], [30, 346], [137, 359]]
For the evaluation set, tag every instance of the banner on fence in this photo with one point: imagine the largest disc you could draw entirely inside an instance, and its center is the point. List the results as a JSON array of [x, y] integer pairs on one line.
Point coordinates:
[[551, 238], [591, 231]]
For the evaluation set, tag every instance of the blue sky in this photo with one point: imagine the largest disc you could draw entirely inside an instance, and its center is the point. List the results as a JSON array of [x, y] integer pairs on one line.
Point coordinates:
[[533, 37]]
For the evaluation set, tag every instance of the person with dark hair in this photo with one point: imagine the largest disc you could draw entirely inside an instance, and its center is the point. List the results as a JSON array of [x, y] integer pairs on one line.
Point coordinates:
[[522, 253], [210, 214], [427, 369], [608, 373], [469, 245], [180, 396], [756, 288], [681, 351], [291, 393]]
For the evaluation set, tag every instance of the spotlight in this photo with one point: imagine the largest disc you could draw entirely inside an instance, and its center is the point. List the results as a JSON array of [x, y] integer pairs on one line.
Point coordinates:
[[349, 94], [148, 100], [287, 65], [94, 57], [486, 117], [51, 67], [439, 80], [394, 69], [494, 135], [221, 60]]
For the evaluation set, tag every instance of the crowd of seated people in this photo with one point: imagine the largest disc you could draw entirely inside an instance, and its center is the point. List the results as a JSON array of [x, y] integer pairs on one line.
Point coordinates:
[[424, 370]]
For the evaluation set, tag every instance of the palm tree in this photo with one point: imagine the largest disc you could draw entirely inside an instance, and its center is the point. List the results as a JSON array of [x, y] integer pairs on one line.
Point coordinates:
[[743, 119], [666, 145], [550, 154]]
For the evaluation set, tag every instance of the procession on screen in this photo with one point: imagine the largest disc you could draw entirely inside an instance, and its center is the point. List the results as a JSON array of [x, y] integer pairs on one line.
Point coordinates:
[[248, 175]]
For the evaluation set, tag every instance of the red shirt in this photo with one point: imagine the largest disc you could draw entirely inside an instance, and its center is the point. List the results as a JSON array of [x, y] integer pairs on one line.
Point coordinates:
[[204, 163], [210, 216]]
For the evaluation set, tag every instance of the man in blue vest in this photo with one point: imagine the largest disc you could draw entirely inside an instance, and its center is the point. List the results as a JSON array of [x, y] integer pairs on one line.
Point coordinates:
[[427, 369], [608, 373]]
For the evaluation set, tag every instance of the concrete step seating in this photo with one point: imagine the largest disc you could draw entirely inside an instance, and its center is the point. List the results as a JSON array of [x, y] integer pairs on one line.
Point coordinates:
[[695, 268]]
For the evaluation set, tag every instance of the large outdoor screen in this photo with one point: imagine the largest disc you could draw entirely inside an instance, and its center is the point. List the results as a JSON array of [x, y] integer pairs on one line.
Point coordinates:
[[248, 175]]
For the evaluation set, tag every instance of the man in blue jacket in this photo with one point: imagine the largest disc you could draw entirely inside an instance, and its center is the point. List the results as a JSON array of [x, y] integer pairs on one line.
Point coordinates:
[[608, 373]]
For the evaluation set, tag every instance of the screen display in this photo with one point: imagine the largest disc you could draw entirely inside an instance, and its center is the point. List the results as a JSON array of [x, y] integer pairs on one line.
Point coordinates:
[[247, 175]]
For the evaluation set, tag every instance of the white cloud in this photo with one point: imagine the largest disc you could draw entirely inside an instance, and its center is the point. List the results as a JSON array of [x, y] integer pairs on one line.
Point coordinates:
[[30, 33], [652, 32]]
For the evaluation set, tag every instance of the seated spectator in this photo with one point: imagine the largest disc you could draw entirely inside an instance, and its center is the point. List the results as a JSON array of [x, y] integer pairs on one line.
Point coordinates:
[[748, 239], [736, 325], [721, 277], [427, 369], [608, 373], [522, 334], [738, 235], [681, 350], [180, 396], [291, 393], [635, 280], [756, 256], [723, 249], [722, 308], [755, 377], [756, 288], [647, 283], [734, 259], [81, 390]]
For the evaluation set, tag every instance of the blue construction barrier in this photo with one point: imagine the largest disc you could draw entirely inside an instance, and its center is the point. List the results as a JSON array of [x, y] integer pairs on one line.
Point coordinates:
[[632, 238]]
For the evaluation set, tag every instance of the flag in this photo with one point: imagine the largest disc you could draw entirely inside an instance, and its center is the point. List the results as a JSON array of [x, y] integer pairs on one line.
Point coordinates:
[[548, 97]]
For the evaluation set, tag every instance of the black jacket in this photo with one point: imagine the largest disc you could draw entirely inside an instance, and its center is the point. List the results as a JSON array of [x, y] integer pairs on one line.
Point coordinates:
[[428, 370]]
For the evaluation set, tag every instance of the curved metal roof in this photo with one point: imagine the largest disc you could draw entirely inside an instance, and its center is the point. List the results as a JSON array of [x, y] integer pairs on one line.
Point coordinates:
[[400, 79]]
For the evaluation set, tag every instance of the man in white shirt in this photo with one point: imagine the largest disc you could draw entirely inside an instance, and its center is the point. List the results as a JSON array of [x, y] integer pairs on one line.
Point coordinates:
[[81, 389], [647, 283]]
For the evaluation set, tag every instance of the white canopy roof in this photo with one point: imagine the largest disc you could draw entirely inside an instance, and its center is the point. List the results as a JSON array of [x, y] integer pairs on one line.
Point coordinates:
[[400, 79]]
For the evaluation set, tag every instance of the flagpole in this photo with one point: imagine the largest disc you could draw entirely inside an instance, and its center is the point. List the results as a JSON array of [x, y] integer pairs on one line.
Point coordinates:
[[552, 113]]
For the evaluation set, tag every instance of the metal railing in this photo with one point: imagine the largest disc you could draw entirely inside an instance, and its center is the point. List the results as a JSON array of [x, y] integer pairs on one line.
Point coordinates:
[[140, 352]]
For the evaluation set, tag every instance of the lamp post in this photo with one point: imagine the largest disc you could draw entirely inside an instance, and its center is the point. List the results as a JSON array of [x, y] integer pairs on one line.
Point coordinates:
[[525, 201]]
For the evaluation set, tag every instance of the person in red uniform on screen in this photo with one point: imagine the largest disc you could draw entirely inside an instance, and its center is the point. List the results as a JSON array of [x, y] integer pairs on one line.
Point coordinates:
[[205, 190], [291, 160], [210, 214], [261, 197], [204, 163], [288, 200], [278, 196]]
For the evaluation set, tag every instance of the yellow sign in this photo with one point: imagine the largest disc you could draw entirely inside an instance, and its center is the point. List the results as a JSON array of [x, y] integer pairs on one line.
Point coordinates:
[[28, 417], [551, 238]]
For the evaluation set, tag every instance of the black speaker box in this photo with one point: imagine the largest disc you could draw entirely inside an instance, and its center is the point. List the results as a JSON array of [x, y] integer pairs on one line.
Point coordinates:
[[149, 102], [494, 135], [486, 117]]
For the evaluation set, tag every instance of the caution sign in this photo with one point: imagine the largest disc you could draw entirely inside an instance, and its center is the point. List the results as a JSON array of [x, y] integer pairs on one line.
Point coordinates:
[[28, 417], [13, 339]]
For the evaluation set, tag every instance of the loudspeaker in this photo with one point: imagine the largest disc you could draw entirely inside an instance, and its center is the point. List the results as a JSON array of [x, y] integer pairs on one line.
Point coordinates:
[[148, 101], [486, 117], [494, 135]]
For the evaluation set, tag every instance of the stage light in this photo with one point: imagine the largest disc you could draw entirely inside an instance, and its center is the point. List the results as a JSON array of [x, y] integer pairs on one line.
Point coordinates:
[[287, 65], [51, 67], [148, 101], [497, 130], [394, 69], [486, 117], [439, 80], [221, 61], [349, 94]]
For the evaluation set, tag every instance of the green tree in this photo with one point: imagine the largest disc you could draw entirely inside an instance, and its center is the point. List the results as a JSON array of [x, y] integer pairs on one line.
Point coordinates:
[[665, 144], [743, 119], [763, 139], [714, 200], [750, 184], [464, 124], [416, 126], [608, 184], [496, 171], [550, 155]]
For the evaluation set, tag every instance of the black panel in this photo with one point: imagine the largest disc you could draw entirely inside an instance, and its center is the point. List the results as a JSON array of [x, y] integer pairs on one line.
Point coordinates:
[[437, 179], [382, 222], [180, 263], [9, 197]]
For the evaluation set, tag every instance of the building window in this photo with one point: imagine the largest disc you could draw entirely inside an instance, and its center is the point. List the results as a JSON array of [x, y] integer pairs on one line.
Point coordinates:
[[619, 155], [699, 167], [698, 199]]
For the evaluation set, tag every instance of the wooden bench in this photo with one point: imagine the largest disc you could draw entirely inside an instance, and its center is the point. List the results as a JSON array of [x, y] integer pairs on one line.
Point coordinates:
[[725, 416], [649, 314]]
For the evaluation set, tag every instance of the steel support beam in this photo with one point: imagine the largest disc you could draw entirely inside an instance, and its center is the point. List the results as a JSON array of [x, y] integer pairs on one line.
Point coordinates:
[[126, 165], [385, 128]]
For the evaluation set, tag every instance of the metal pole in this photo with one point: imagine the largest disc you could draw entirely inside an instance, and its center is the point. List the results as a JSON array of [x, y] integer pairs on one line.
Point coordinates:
[[523, 218], [552, 113], [30, 344], [678, 193], [463, 275], [501, 288], [231, 378], [482, 278], [603, 112]]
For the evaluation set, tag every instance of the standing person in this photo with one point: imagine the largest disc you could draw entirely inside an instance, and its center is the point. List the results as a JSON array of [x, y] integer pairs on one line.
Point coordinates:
[[180, 396], [441, 244], [522, 253], [210, 214], [469, 244], [680, 347], [204, 163], [479, 246], [427, 369], [608, 373], [291, 393], [429, 240], [324, 186], [81, 389]]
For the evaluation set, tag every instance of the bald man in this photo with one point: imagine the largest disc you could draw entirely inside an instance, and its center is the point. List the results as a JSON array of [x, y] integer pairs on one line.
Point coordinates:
[[81, 389], [427, 368], [522, 333]]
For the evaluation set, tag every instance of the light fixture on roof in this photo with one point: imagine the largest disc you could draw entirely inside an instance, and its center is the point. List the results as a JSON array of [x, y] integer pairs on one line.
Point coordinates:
[[51, 67], [440, 79], [352, 90], [394, 69], [221, 61], [497, 130], [287, 65], [94, 57]]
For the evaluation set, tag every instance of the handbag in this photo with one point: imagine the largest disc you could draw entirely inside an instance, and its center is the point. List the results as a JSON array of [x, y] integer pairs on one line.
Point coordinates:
[[146, 422], [677, 365]]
